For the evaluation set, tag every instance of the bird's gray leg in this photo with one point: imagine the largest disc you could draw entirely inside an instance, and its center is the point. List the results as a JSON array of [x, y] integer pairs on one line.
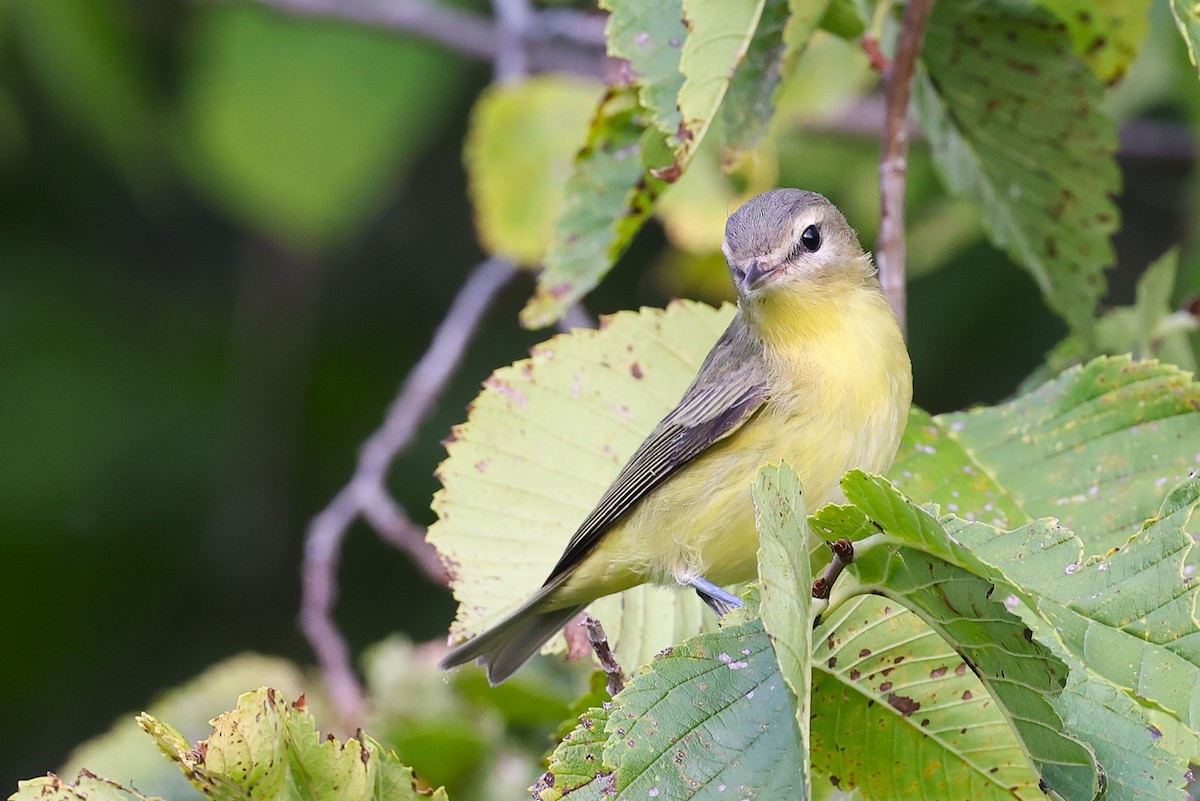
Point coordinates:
[[718, 600]]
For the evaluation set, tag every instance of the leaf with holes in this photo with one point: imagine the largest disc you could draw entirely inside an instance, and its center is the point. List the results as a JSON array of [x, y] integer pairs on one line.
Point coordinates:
[[1125, 627], [710, 719], [720, 36], [608, 197], [269, 748], [649, 34], [886, 687], [578, 761], [914, 562], [1014, 125], [1099, 448], [781, 36], [1129, 617], [86, 787]]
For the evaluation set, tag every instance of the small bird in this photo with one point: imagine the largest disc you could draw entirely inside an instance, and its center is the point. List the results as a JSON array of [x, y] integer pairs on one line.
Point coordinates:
[[813, 370]]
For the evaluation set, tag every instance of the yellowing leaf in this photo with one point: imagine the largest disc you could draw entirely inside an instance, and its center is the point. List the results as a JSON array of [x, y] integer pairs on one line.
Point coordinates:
[[518, 154], [542, 442], [267, 748]]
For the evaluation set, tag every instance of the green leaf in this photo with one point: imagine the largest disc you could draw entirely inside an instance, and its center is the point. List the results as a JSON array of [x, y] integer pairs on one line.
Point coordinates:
[[939, 580], [1117, 728], [86, 787], [1187, 19], [89, 61], [1098, 448], [578, 761], [300, 127], [710, 719], [518, 154], [649, 34], [782, 34], [1014, 125], [1125, 626], [608, 197], [785, 579], [843, 20], [719, 37], [268, 748], [871, 653], [1148, 329], [1105, 34], [1129, 617], [123, 751], [542, 442]]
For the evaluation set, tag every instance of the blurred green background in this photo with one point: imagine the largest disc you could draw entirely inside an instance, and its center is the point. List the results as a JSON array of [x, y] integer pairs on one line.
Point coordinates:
[[226, 235]]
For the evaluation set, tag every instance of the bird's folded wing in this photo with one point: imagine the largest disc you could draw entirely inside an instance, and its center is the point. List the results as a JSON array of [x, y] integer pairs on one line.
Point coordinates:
[[726, 392]]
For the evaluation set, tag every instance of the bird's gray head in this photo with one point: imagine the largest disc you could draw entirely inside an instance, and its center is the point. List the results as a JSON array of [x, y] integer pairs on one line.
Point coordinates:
[[789, 235]]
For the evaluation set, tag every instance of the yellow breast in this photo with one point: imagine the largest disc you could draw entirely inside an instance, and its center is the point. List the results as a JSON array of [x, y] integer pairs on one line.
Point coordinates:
[[840, 383]]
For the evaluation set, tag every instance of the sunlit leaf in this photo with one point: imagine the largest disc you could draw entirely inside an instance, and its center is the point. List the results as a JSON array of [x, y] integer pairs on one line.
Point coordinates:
[[1014, 124], [1098, 448], [542, 442], [123, 751], [518, 153], [269, 748], [871, 653], [86, 787]]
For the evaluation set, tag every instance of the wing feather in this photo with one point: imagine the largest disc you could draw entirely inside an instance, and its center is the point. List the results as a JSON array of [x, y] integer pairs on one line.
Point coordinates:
[[728, 389]]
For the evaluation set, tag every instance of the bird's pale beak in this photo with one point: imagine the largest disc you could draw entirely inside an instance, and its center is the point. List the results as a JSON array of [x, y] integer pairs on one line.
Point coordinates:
[[756, 275]]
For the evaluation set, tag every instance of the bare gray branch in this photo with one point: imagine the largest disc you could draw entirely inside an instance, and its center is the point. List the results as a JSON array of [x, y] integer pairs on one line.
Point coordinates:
[[366, 493]]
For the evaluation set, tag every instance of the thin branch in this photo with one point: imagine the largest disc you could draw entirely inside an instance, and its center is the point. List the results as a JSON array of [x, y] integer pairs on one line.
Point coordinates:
[[843, 555], [1140, 140], [576, 317], [366, 493], [893, 162], [604, 654], [514, 20], [562, 40]]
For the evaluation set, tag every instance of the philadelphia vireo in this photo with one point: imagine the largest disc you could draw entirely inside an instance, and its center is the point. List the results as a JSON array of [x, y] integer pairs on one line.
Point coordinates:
[[813, 370]]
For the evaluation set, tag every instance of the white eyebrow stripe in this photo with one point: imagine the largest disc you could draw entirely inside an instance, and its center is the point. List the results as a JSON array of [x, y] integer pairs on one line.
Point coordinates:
[[783, 250]]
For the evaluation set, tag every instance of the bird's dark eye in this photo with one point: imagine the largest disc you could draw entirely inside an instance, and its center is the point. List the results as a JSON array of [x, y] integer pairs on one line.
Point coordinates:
[[811, 239]]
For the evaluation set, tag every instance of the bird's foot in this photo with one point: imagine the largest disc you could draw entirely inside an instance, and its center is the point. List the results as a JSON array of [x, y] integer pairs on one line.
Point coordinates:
[[718, 599]]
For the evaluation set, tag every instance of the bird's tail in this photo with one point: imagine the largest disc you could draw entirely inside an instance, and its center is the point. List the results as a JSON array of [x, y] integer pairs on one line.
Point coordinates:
[[511, 642]]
